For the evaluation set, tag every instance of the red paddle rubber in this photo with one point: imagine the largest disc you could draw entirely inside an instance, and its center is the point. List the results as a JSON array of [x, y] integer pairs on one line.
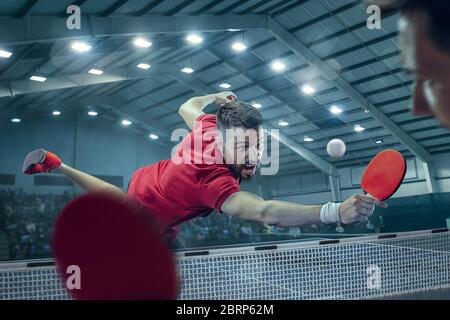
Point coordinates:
[[117, 248]]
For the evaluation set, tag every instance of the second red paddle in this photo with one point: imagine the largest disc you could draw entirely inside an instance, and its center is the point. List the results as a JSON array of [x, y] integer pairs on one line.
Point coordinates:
[[117, 249]]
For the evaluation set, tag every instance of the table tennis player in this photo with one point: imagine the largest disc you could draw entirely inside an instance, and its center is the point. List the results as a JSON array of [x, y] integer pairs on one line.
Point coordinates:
[[177, 191]]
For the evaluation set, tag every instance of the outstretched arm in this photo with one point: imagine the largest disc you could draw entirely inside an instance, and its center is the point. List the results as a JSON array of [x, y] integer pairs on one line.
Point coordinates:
[[193, 108], [246, 205]]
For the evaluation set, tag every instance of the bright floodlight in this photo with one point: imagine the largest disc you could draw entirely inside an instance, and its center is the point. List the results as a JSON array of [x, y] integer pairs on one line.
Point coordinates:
[[140, 42], [126, 122], [143, 66], [187, 70], [16, 120], [225, 85], [278, 66], [97, 72], [153, 136], [5, 54], [359, 128], [308, 139], [81, 46], [335, 109], [194, 39], [239, 46], [38, 78], [308, 89], [283, 123], [257, 105]]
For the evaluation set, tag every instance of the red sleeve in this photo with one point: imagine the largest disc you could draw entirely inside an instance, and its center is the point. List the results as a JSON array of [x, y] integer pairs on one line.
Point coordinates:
[[217, 187], [207, 121]]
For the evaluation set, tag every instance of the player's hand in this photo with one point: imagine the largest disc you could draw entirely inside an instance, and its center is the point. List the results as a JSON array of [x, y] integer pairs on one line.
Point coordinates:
[[359, 208], [224, 97]]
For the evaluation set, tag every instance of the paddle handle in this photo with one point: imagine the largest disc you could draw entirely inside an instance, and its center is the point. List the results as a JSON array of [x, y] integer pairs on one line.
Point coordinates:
[[369, 224]]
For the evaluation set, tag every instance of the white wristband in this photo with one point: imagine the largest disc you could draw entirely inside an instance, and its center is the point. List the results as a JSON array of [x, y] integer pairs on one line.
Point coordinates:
[[329, 213]]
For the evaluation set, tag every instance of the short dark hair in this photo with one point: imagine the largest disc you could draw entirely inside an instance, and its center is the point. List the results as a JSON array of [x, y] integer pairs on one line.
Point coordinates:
[[238, 114], [437, 11]]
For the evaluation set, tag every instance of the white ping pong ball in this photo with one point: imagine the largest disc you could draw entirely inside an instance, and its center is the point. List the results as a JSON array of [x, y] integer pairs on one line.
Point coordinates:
[[336, 148]]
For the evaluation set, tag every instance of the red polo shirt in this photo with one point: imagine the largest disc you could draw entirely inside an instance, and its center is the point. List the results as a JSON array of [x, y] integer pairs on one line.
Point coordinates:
[[179, 192]]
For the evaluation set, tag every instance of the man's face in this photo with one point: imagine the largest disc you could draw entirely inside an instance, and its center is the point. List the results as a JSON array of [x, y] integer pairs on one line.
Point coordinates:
[[244, 151], [429, 64]]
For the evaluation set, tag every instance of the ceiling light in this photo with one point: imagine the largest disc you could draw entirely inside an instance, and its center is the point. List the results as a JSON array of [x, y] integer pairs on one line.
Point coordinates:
[[283, 123], [38, 78], [56, 113], [96, 71], [225, 85], [194, 39], [239, 46], [257, 105], [187, 70], [335, 109], [16, 120], [359, 128], [143, 66], [278, 65], [5, 54], [153, 136], [307, 89], [308, 139], [126, 122], [140, 42], [379, 141], [81, 46], [93, 113]]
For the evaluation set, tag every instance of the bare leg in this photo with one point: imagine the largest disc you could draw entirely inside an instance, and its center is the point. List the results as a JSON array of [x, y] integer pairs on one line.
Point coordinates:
[[87, 182]]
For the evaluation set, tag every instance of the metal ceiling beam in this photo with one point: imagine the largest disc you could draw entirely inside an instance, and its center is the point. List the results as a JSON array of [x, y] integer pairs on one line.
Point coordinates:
[[147, 8], [50, 29], [179, 7], [207, 7], [299, 49], [113, 8], [10, 89], [26, 8], [231, 7]]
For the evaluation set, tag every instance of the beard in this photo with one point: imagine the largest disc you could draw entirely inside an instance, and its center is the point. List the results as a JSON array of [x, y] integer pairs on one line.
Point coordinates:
[[244, 172]]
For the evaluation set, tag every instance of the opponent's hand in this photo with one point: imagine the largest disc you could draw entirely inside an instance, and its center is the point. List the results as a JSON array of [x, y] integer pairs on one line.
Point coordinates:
[[224, 97], [359, 208]]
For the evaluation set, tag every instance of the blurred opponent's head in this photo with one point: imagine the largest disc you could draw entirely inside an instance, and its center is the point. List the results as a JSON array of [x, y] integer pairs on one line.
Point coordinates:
[[424, 28]]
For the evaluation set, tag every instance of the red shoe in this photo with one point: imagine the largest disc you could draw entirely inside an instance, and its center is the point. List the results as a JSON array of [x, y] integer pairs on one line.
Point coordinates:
[[40, 161]]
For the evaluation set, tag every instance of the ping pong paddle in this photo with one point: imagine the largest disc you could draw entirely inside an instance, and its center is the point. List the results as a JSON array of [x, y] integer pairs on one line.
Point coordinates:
[[117, 246], [384, 174]]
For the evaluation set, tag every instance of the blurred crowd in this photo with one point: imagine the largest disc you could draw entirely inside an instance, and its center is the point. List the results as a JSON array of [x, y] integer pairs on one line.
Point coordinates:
[[217, 229], [26, 222]]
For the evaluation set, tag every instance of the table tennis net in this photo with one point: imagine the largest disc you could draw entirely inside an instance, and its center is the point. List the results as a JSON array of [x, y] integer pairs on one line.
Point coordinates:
[[398, 266]]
